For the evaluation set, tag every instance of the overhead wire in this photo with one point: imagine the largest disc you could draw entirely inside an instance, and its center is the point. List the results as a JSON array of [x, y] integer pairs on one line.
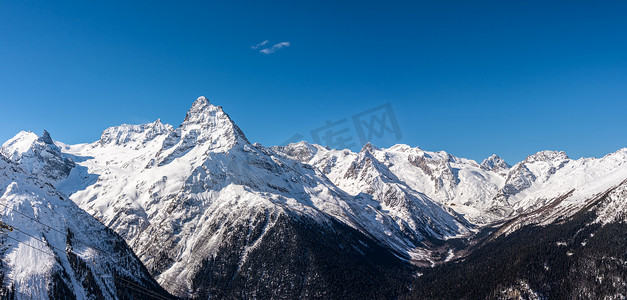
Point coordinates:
[[52, 228], [127, 283]]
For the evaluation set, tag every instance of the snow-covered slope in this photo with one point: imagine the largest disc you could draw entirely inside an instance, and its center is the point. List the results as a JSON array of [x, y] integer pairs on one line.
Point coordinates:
[[56, 250]]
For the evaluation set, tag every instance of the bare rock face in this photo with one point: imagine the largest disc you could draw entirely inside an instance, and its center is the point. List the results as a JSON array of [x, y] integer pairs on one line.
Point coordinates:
[[45, 137], [205, 124]]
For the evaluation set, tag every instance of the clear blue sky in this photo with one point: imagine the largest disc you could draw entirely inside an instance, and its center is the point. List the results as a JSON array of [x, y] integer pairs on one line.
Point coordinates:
[[469, 77]]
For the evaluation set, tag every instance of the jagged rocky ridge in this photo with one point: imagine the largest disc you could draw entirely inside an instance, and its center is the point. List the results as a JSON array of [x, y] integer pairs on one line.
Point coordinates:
[[482, 193], [207, 211]]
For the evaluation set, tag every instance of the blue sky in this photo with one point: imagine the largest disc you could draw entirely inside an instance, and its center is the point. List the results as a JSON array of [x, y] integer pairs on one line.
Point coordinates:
[[469, 78]]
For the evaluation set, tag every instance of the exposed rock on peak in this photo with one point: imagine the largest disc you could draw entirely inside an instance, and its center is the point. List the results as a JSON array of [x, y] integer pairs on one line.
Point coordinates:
[[547, 156], [495, 163], [518, 179], [205, 115], [366, 166], [200, 110], [301, 151], [45, 137], [369, 148], [206, 126], [211, 124]]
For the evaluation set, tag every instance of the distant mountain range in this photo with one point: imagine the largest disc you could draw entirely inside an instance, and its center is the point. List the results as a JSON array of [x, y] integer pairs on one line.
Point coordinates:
[[208, 214]]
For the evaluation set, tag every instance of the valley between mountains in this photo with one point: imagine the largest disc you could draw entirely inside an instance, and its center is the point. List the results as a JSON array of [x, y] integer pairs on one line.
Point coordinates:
[[198, 211]]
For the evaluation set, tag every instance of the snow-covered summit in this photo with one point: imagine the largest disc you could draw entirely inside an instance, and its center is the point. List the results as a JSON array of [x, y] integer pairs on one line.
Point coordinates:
[[439, 176], [211, 119], [549, 175], [368, 147], [200, 110], [420, 216], [207, 128], [38, 155], [19, 144]]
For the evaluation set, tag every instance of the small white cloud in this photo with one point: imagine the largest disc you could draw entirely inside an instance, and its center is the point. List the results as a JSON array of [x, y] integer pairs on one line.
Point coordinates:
[[275, 47], [260, 44]]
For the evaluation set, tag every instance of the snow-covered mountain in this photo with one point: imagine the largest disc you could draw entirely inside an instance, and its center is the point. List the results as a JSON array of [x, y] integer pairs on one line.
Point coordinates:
[[55, 250], [559, 193], [482, 193], [211, 214], [547, 175], [363, 176], [196, 202]]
